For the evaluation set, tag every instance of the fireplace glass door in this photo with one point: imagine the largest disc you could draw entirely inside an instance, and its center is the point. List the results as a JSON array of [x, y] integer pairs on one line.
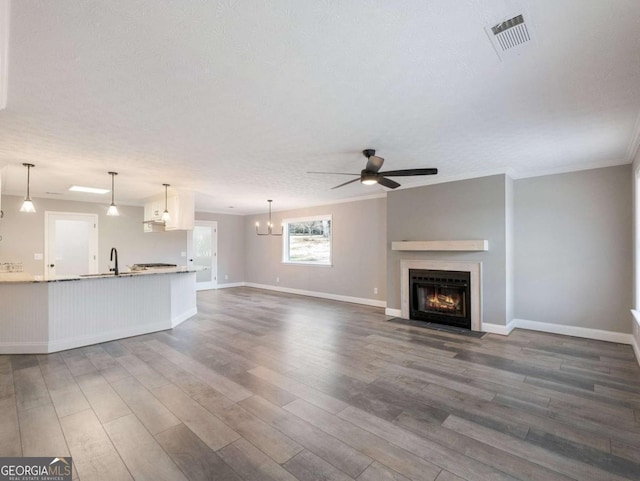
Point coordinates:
[[440, 296]]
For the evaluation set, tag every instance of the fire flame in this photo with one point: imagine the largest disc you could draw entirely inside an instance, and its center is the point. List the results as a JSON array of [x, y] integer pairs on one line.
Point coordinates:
[[442, 301]]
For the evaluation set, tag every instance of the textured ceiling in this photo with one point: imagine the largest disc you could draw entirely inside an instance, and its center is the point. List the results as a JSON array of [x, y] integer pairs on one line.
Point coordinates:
[[236, 100]]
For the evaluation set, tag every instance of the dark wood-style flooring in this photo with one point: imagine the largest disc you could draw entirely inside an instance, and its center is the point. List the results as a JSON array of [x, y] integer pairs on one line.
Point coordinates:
[[263, 386]]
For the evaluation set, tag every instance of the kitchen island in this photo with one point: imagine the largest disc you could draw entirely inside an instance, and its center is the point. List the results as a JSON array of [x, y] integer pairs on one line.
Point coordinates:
[[49, 315]]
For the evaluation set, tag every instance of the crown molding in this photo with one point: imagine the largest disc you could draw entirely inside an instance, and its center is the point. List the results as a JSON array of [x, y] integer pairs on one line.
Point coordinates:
[[565, 169]]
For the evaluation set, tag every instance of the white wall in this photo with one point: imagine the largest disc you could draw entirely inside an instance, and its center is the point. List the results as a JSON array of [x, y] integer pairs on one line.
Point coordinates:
[[635, 177], [231, 253], [573, 249], [359, 252], [23, 235]]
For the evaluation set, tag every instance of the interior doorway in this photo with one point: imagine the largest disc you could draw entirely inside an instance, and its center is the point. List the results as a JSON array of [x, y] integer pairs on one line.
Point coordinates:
[[203, 245], [71, 243]]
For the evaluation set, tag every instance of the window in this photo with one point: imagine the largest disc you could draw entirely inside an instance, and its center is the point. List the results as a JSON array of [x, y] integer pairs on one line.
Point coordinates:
[[307, 241]]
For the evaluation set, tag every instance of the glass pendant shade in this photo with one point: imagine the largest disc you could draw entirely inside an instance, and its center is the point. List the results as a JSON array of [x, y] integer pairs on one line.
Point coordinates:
[[112, 210], [27, 205]]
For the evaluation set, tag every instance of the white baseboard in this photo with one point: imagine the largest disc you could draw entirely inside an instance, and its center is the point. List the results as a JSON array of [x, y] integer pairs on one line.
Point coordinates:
[[497, 328], [636, 348], [81, 341], [586, 332], [180, 318], [231, 284], [393, 312], [24, 348], [323, 295]]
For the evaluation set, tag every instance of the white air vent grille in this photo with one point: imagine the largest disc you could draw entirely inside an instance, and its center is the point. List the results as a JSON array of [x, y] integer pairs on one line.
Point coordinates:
[[510, 36], [511, 33]]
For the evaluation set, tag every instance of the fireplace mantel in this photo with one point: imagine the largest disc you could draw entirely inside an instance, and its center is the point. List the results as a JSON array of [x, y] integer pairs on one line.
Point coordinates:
[[444, 245], [474, 269]]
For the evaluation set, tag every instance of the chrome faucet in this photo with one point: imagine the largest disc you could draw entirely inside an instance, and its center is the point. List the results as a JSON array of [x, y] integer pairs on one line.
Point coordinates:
[[115, 267]]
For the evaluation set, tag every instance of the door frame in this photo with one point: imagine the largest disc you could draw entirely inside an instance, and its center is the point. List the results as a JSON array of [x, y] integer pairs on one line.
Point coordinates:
[[213, 284], [93, 263]]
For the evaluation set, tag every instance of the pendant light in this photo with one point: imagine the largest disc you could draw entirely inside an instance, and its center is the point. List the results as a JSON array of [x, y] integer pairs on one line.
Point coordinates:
[[166, 217], [27, 205], [269, 225], [112, 210]]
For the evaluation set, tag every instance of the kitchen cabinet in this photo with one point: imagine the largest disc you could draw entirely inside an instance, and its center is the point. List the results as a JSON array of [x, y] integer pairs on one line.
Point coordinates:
[[153, 216], [181, 207]]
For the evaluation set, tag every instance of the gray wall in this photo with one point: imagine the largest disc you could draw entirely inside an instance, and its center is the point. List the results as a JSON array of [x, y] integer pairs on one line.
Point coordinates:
[[573, 248], [359, 264], [468, 209], [230, 246], [635, 168], [23, 235]]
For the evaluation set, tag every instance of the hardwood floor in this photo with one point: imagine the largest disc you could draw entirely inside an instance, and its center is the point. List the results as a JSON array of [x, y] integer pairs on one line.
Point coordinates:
[[269, 386]]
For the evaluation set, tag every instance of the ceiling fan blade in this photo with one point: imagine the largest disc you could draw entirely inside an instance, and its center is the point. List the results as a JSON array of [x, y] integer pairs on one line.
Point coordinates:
[[333, 173], [408, 172], [392, 184], [374, 163], [346, 183]]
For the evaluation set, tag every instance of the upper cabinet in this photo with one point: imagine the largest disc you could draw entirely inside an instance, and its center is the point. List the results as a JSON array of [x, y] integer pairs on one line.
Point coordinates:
[[181, 207]]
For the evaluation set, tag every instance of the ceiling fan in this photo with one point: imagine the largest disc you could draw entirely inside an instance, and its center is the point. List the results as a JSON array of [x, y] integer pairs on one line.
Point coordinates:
[[371, 173]]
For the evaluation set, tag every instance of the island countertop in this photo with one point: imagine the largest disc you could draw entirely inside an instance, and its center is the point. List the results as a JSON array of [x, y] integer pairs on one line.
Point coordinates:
[[12, 277]]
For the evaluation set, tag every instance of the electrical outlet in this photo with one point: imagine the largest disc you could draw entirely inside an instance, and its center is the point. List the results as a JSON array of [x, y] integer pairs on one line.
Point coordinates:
[[226, 276], [37, 256], [375, 290], [277, 279]]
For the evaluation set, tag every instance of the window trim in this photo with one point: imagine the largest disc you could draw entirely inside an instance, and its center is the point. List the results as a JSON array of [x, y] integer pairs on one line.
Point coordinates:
[[285, 240]]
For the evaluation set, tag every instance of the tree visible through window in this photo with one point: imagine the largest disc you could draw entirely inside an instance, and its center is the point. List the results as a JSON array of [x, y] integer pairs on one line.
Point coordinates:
[[308, 241]]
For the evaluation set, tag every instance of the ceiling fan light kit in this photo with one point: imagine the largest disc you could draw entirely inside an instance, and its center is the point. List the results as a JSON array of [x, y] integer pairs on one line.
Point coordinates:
[[371, 174], [368, 178]]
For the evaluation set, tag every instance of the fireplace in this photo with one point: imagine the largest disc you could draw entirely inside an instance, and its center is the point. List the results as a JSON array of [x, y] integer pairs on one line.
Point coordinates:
[[440, 296], [474, 294]]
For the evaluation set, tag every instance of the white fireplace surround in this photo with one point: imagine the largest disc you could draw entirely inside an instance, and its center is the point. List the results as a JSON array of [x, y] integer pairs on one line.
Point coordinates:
[[475, 291]]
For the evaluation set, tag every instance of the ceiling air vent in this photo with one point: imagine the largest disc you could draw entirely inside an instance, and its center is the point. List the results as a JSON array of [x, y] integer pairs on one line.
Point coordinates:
[[510, 36]]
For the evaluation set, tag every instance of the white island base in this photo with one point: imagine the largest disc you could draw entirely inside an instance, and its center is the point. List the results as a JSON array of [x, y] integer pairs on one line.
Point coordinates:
[[49, 316]]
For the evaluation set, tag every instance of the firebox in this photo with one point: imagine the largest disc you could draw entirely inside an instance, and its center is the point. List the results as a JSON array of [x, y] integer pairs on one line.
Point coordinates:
[[440, 296]]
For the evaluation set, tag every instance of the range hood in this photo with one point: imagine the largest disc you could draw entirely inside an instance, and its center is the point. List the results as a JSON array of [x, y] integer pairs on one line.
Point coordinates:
[[154, 225]]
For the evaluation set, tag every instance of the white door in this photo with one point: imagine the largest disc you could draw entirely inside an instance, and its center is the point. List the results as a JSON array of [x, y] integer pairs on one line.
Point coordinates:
[[204, 254], [71, 244]]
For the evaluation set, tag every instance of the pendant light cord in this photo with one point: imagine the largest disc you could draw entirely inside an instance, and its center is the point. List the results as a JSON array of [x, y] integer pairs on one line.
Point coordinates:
[[28, 180]]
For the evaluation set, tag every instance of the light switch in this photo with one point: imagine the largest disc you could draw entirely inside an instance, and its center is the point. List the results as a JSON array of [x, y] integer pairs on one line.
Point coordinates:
[[37, 256], [183, 254]]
